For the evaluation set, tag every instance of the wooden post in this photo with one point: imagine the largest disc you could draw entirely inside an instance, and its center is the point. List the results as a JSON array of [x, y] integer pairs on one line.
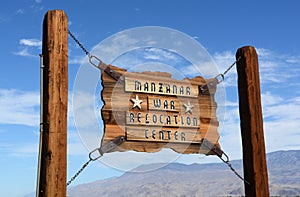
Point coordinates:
[[53, 159], [254, 155]]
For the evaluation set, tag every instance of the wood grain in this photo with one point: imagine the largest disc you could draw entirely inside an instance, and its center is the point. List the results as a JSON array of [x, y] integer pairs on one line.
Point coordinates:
[[159, 85], [55, 102], [254, 156], [122, 118], [161, 134]]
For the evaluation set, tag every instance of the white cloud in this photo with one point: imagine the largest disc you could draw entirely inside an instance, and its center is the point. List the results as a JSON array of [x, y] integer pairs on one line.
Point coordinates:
[[37, 7], [22, 107], [293, 59], [275, 67], [22, 150], [76, 60], [19, 107], [281, 122], [270, 99], [109, 50], [20, 11], [24, 53], [31, 42], [279, 75], [224, 59], [262, 52], [27, 46], [280, 109], [281, 125], [285, 110], [282, 135], [162, 54], [204, 69], [74, 143], [77, 149], [26, 149], [83, 109]]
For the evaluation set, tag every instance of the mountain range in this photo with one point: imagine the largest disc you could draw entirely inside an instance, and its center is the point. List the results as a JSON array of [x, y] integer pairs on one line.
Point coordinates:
[[214, 179]]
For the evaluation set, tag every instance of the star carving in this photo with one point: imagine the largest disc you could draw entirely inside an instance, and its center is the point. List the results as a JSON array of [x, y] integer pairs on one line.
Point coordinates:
[[136, 102], [188, 107]]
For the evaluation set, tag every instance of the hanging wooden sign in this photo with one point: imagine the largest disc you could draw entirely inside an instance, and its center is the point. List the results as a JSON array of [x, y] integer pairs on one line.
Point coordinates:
[[154, 111]]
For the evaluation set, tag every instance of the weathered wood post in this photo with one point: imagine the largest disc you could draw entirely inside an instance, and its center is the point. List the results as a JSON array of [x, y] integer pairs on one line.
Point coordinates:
[[53, 157], [254, 155]]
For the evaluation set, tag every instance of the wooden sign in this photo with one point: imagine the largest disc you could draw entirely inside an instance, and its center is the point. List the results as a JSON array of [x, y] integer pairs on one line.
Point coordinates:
[[154, 111]]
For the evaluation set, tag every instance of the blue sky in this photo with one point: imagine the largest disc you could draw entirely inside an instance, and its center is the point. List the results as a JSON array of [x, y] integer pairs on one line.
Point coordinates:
[[220, 26]]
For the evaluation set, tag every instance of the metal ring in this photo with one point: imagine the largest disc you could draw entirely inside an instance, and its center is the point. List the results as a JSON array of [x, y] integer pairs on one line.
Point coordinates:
[[227, 158], [219, 78], [92, 152], [98, 59]]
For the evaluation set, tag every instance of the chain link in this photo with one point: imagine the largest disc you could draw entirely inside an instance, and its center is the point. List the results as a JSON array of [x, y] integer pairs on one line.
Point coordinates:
[[230, 67], [217, 151], [91, 57], [227, 162], [220, 77], [79, 171], [91, 159], [98, 153], [79, 44]]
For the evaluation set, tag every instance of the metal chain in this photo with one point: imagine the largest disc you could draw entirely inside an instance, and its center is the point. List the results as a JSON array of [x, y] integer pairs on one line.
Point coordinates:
[[230, 67], [100, 65], [232, 169], [218, 152], [217, 79], [79, 171], [93, 159], [227, 162], [98, 153], [220, 77], [79, 44]]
